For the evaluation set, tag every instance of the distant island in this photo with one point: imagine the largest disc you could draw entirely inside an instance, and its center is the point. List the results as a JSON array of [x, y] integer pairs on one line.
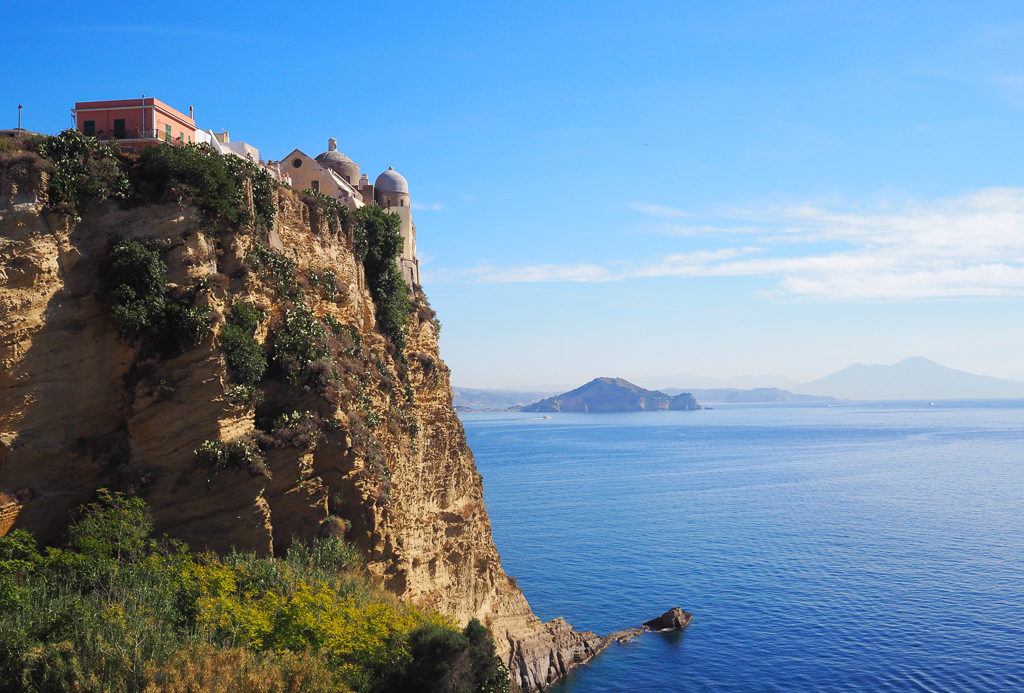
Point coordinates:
[[606, 395]]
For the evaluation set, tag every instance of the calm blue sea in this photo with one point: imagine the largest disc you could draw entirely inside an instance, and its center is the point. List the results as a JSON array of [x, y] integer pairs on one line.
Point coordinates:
[[869, 547]]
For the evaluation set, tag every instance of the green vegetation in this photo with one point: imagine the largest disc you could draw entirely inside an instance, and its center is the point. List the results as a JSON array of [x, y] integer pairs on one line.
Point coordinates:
[[218, 456], [214, 183], [297, 343], [277, 268], [378, 242], [244, 355], [84, 170], [143, 305], [324, 281], [118, 610], [339, 217]]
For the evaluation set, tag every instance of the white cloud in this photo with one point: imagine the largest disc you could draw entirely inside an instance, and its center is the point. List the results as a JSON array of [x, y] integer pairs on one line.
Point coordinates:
[[704, 229], [657, 210], [969, 246], [581, 272], [429, 206]]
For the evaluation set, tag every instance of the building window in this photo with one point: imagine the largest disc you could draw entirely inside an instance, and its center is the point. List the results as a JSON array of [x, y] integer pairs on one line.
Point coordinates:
[[167, 133], [315, 185], [89, 128], [296, 162], [119, 129]]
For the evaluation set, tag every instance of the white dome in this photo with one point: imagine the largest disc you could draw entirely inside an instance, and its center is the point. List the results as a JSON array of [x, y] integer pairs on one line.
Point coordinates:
[[391, 181]]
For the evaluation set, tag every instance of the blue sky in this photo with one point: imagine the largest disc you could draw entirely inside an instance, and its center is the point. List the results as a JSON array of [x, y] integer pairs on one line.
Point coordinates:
[[631, 189]]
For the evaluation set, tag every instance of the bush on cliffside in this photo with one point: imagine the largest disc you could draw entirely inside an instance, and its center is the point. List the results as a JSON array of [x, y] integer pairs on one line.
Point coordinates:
[[297, 344], [244, 355], [215, 183], [378, 243], [118, 609], [84, 169], [338, 216], [143, 305]]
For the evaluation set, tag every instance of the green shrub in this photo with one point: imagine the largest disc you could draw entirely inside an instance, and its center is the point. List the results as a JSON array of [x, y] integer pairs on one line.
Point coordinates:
[[211, 183], [143, 305], [84, 169], [443, 660], [241, 454], [378, 242], [324, 281], [244, 355], [277, 268], [297, 429], [297, 343], [263, 188], [136, 287], [339, 217]]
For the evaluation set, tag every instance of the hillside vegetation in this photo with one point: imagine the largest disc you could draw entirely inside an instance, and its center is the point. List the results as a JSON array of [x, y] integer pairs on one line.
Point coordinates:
[[118, 610]]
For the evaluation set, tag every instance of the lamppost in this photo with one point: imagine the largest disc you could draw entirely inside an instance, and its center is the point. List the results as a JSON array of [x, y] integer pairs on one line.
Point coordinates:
[[19, 117]]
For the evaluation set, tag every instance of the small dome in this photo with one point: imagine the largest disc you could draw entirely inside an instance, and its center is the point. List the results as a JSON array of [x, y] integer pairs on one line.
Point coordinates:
[[391, 181], [332, 155]]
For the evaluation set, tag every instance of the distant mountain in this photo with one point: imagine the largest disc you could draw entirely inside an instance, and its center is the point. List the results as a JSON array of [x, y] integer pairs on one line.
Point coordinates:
[[472, 399], [612, 395], [758, 394], [912, 378]]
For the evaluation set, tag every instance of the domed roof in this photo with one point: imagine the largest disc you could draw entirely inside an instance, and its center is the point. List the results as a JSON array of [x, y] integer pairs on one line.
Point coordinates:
[[391, 181], [332, 155]]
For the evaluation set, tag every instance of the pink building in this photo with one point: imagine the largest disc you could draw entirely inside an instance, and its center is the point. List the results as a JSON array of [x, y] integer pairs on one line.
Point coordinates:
[[134, 123]]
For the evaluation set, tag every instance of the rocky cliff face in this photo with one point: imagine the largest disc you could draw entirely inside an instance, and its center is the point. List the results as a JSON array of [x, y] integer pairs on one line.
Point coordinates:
[[81, 409]]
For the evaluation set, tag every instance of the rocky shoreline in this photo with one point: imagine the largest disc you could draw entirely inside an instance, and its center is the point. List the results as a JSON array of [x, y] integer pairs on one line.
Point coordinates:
[[673, 619]]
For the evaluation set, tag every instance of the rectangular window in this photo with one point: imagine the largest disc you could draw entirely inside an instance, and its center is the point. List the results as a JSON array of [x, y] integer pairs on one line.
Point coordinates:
[[181, 136], [119, 130], [167, 133], [89, 128], [315, 185]]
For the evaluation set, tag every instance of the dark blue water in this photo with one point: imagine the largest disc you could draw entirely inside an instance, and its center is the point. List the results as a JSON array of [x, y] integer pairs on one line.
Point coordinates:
[[850, 548]]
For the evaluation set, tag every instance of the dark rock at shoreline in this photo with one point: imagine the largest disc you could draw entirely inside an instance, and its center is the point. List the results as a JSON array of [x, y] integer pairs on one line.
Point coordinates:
[[674, 619], [625, 635]]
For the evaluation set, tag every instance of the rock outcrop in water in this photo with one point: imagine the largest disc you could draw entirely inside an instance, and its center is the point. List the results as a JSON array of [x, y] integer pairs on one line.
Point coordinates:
[[673, 619], [82, 409]]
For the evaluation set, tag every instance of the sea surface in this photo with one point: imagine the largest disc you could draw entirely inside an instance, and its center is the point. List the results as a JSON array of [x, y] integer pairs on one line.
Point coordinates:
[[857, 547]]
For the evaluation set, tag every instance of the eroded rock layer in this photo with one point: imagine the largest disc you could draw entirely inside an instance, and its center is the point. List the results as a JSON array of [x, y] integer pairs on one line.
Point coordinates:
[[81, 409]]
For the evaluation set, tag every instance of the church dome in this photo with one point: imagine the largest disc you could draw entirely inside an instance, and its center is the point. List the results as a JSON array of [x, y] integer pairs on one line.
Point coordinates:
[[391, 181], [341, 164]]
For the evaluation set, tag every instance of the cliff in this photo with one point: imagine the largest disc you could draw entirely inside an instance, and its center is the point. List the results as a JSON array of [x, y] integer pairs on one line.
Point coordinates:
[[82, 407], [612, 395]]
